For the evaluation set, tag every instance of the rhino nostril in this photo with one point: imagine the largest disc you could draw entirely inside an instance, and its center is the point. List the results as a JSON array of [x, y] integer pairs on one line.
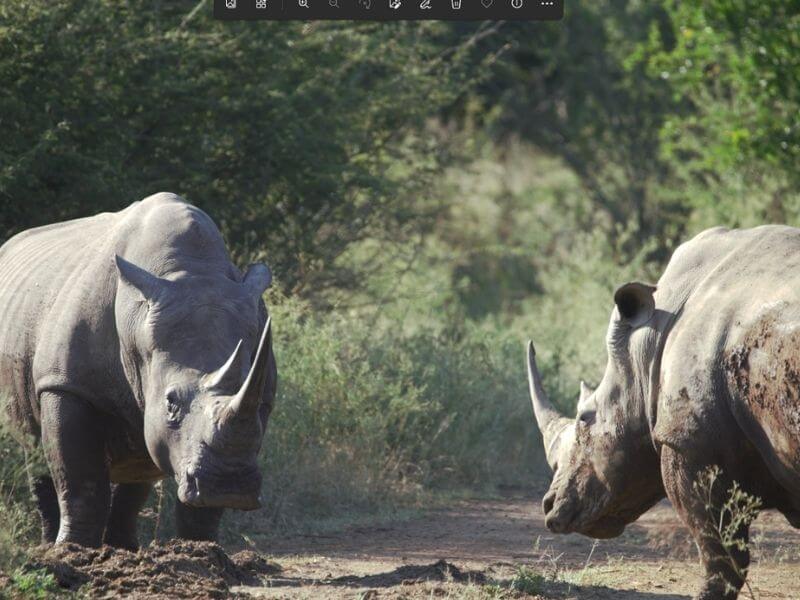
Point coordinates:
[[548, 501], [554, 524]]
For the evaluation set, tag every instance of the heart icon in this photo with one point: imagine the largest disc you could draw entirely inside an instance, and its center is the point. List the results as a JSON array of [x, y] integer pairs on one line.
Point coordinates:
[[486, 3]]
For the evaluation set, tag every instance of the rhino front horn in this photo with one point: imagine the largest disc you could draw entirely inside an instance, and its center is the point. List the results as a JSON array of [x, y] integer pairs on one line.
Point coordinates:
[[550, 421], [248, 398], [228, 377]]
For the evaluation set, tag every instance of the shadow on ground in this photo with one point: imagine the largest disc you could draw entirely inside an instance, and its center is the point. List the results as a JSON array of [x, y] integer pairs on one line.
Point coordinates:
[[442, 572]]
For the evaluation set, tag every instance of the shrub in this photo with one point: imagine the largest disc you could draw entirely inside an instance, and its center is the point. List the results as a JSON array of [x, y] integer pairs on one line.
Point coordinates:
[[34, 585], [366, 416]]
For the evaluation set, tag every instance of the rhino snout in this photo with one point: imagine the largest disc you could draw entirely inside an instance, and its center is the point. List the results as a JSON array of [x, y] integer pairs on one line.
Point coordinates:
[[548, 501], [556, 518], [240, 489]]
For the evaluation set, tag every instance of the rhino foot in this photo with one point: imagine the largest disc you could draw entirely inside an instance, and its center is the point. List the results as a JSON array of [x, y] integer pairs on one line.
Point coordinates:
[[717, 589], [127, 500], [197, 523]]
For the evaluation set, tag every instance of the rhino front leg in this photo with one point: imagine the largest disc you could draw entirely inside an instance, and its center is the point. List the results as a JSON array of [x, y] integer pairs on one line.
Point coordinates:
[[74, 444], [127, 500], [725, 565], [197, 523]]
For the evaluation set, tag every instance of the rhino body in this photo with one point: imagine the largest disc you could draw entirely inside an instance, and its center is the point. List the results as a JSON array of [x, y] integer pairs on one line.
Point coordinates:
[[134, 350], [703, 371]]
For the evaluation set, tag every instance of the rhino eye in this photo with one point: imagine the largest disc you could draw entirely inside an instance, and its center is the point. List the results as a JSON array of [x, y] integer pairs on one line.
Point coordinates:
[[173, 408], [586, 417]]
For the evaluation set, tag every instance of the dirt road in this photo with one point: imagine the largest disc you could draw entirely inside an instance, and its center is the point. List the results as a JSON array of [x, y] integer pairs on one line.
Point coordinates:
[[474, 549]]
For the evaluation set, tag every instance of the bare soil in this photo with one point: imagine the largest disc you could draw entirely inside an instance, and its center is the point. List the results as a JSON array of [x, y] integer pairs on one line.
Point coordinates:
[[471, 549], [178, 569], [484, 543]]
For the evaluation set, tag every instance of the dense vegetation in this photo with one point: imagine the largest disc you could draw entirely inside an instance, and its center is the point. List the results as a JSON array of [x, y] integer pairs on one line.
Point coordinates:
[[428, 195]]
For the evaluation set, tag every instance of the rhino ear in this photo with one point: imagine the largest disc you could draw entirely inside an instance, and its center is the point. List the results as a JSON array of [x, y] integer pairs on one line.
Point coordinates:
[[258, 278], [586, 391], [635, 303], [147, 285]]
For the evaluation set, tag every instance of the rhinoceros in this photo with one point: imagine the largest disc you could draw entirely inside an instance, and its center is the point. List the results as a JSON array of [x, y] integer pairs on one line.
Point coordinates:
[[703, 372], [132, 349]]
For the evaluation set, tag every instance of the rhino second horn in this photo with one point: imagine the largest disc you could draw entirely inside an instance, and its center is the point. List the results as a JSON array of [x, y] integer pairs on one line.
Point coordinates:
[[228, 377], [550, 421], [248, 398]]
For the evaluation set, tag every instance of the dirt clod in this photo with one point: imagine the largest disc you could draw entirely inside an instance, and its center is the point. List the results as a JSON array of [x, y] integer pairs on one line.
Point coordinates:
[[177, 569]]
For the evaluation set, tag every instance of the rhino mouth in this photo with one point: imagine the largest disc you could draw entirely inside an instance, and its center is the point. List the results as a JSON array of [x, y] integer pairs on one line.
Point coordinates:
[[599, 528], [608, 527], [239, 489], [568, 516]]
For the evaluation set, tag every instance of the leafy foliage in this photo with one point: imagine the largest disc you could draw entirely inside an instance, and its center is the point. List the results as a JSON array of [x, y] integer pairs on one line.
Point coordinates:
[[735, 63], [298, 138], [527, 581], [575, 90], [35, 585], [728, 513], [365, 416], [19, 525]]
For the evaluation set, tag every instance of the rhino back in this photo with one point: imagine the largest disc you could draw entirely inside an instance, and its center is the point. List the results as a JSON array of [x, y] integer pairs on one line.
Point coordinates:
[[42, 273], [731, 365]]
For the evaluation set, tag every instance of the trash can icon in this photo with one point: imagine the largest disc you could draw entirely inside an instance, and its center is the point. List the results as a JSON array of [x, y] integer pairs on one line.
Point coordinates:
[[456, 4]]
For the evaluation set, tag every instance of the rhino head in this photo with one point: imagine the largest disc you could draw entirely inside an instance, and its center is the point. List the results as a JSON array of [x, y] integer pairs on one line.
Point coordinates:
[[199, 363], [605, 467]]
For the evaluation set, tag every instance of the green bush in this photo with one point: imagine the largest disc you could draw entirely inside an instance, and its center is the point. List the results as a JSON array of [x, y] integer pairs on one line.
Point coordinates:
[[34, 585], [366, 415], [527, 581], [19, 523]]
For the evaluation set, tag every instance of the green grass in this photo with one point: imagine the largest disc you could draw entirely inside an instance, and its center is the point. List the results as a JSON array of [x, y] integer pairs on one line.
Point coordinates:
[[34, 585], [527, 581]]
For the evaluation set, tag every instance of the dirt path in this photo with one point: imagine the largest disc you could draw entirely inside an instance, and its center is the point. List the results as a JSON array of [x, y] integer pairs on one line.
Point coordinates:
[[484, 543]]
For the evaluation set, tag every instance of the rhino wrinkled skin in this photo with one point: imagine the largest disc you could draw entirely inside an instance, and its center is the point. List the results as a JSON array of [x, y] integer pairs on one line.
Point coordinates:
[[134, 350], [703, 370]]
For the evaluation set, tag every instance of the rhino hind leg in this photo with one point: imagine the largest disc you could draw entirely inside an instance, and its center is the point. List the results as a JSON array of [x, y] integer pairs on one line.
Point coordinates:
[[197, 523], [127, 500], [47, 505], [725, 567]]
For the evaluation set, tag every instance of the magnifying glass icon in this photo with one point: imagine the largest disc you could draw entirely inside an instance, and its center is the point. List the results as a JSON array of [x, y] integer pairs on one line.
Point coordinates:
[[303, 3]]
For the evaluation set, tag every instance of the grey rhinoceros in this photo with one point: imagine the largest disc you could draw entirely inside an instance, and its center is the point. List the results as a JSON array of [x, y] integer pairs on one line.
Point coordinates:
[[703, 369], [134, 349]]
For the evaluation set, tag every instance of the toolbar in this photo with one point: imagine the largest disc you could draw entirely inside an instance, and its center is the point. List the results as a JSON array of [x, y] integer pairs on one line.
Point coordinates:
[[389, 10]]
